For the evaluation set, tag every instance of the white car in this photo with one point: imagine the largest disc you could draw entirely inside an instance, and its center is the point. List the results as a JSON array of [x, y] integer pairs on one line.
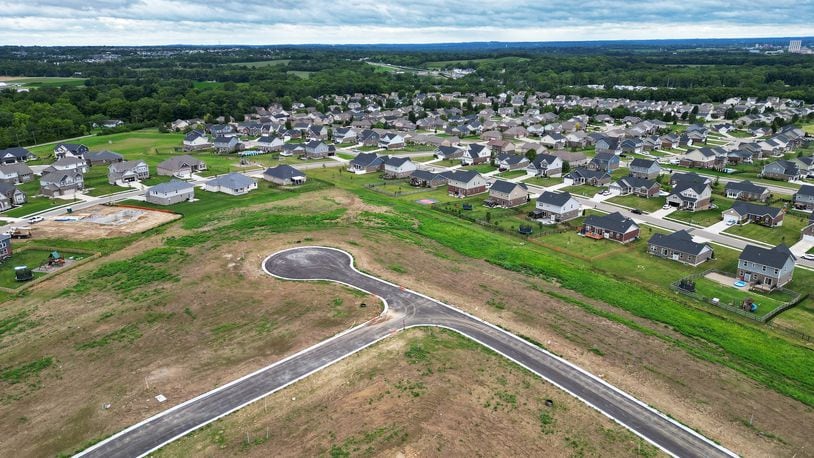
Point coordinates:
[[35, 219], [808, 257], [665, 207]]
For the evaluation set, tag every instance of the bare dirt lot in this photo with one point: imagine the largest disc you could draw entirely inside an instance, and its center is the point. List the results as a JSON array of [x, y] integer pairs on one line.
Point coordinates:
[[222, 318], [422, 393], [102, 221]]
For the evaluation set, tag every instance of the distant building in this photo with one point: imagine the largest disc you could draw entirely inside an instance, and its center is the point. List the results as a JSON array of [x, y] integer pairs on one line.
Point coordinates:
[[795, 46]]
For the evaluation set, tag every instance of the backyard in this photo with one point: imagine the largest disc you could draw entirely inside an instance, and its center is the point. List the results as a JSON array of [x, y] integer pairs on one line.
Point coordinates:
[[649, 205], [788, 233]]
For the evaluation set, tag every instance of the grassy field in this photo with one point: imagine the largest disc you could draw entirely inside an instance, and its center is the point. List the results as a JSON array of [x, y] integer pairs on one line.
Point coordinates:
[[263, 63], [544, 181], [809, 128], [464, 62], [32, 258], [480, 168], [649, 205], [734, 297], [788, 233], [408, 380], [300, 73], [132, 145], [35, 204], [584, 189], [512, 174], [44, 81]]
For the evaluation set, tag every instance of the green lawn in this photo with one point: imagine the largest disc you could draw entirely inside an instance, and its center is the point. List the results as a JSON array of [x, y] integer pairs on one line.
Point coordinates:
[[620, 173], [346, 156], [704, 217], [480, 168], [809, 128], [742, 133], [649, 205], [300, 74], [729, 295], [544, 181], [132, 145], [512, 174], [45, 81], [416, 149], [788, 233], [36, 204], [422, 158], [584, 189], [263, 63], [96, 182], [32, 258]]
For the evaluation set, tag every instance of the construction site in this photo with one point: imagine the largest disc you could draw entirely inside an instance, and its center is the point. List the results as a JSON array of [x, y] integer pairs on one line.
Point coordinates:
[[101, 221]]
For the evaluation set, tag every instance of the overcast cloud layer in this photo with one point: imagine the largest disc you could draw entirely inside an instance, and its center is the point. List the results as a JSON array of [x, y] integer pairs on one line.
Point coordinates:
[[152, 22]]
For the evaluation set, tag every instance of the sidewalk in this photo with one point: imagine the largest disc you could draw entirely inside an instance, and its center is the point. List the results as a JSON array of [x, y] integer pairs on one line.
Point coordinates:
[[800, 248]]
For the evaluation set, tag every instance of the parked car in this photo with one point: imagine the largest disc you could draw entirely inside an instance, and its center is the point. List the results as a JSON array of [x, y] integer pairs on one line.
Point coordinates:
[[35, 219], [665, 207], [808, 257], [636, 211]]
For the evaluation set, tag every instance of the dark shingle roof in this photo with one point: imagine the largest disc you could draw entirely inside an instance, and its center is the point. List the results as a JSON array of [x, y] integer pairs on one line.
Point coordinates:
[[678, 241], [773, 257], [749, 208], [283, 172], [506, 186], [614, 222], [745, 186], [554, 198]]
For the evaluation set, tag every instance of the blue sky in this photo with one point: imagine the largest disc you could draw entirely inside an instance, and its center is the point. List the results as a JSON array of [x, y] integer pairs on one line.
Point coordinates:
[[149, 22]]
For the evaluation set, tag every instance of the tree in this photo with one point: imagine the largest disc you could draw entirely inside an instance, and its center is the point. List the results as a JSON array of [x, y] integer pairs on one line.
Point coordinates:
[[531, 154], [566, 166]]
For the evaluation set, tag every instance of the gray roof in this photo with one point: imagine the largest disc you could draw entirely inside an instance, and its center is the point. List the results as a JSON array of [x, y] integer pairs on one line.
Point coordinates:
[[175, 163], [18, 152], [124, 166], [506, 186], [745, 186], [232, 180], [554, 198], [634, 182], [366, 159], [103, 156], [283, 172], [614, 222], [642, 163], [171, 186], [678, 241], [396, 161], [463, 176], [749, 208], [773, 257], [805, 190]]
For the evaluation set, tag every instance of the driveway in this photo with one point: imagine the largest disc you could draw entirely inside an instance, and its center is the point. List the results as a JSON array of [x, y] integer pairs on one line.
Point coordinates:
[[403, 309]]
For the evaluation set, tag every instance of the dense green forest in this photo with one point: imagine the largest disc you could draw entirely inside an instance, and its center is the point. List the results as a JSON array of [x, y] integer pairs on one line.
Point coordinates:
[[150, 86]]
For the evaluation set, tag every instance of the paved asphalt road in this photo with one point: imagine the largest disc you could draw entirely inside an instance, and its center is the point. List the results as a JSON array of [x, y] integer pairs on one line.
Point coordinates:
[[405, 309]]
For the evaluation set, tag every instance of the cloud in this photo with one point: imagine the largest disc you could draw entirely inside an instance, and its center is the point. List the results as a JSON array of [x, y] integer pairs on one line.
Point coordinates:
[[133, 22]]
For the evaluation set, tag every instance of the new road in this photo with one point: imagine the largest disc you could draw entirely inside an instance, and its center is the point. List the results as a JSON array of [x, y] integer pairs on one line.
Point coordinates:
[[403, 309]]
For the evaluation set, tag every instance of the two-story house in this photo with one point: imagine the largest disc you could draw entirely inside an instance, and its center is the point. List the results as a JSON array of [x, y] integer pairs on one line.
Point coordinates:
[[507, 194], [465, 183], [804, 198], [766, 268], [644, 168], [127, 172], [746, 190], [690, 195], [679, 246], [556, 207], [545, 165]]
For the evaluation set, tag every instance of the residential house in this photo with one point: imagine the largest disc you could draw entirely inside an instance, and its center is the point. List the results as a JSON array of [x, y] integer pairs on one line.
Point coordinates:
[[690, 195], [556, 207], [391, 141], [501, 146], [269, 143], [507, 194], [632, 146], [103, 158], [746, 190], [573, 159], [583, 175], [180, 166], [5, 246], [804, 198], [604, 161], [748, 212], [226, 145], [316, 149], [448, 152], [171, 192], [16, 173], [196, 140], [766, 268], [690, 177], [545, 165], [398, 167], [317, 133], [284, 175], [476, 154], [644, 168], [641, 187], [60, 183], [66, 164], [465, 183], [127, 172], [232, 183], [613, 226], [781, 170], [679, 246], [807, 233], [702, 158], [15, 155], [427, 179], [366, 162], [12, 195], [608, 145], [553, 140], [63, 150], [368, 137], [511, 162], [344, 135]]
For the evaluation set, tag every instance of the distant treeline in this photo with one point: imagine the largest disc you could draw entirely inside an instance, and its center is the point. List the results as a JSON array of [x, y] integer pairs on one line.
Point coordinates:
[[151, 86]]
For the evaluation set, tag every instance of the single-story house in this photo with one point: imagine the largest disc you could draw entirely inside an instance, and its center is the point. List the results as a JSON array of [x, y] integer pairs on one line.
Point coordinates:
[[679, 246], [171, 192], [427, 179], [366, 162], [448, 152], [103, 158], [15, 155], [180, 166], [507, 161], [641, 187], [613, 226], [232, 183], [746, 190], [284, 175], [583, 175], [747, 212]]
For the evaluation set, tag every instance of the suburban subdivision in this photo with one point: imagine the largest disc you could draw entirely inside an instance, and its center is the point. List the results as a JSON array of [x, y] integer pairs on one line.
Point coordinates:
[[430, 250]]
